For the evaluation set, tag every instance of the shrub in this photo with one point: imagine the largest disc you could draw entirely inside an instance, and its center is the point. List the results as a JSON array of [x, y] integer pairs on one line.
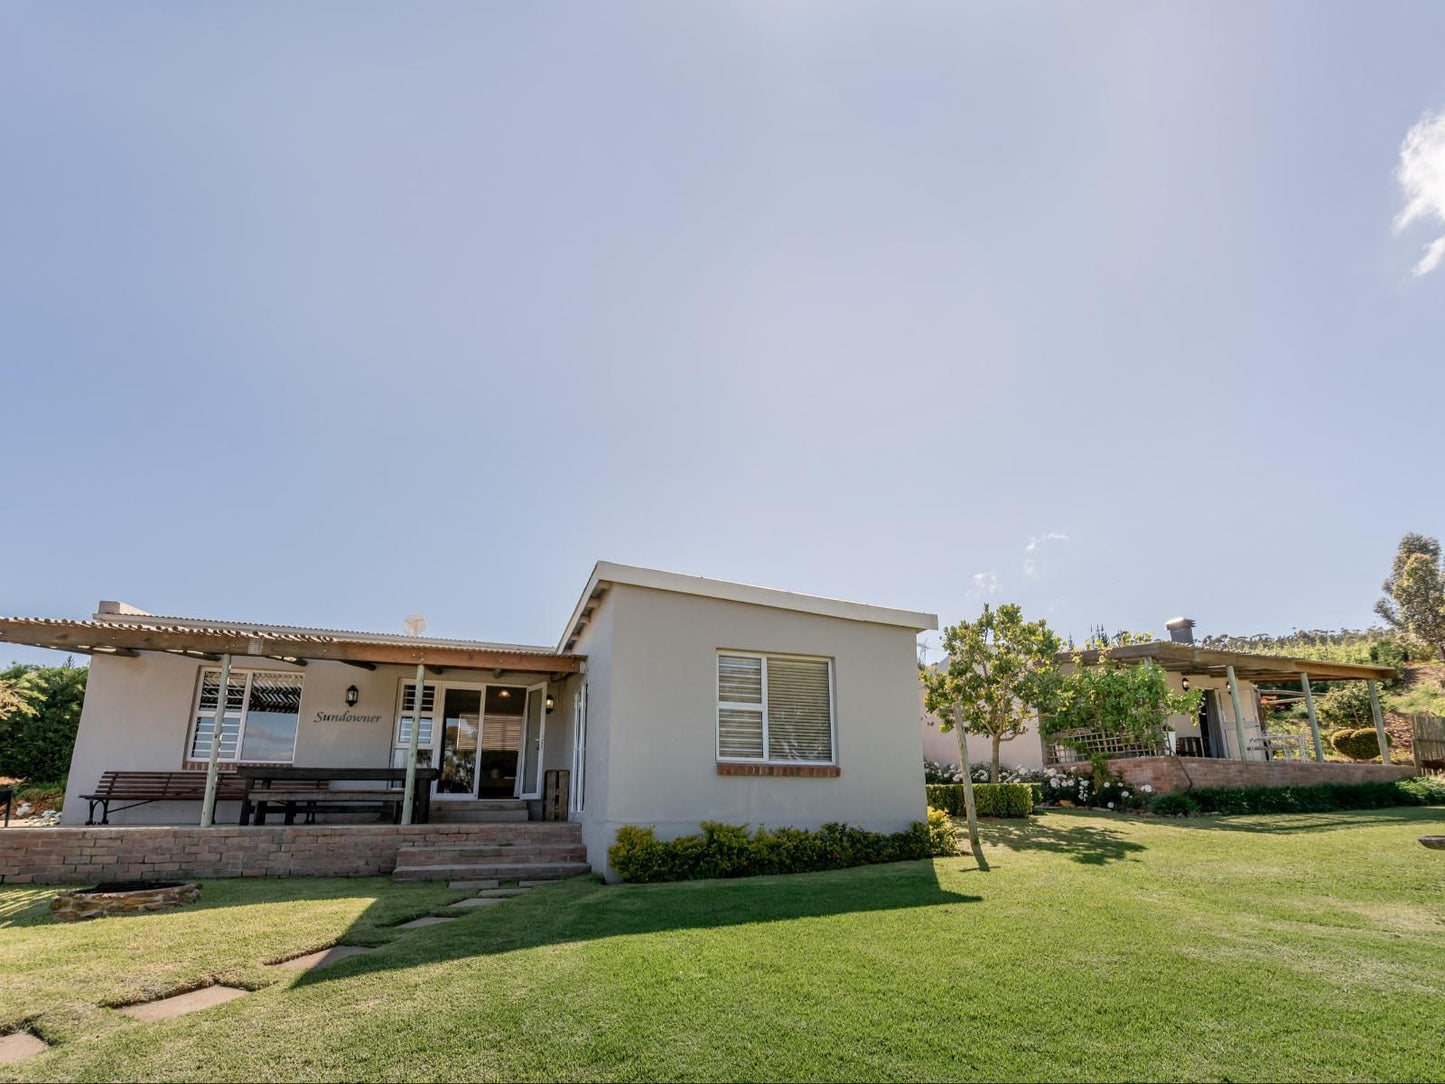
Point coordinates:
[[990, 799], [1423, 790], [730, 850], [1361, 744], [1346, 706], [937, 771]]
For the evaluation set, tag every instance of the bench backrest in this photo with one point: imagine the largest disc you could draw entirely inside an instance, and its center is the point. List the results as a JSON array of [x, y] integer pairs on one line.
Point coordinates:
[[158, 786]]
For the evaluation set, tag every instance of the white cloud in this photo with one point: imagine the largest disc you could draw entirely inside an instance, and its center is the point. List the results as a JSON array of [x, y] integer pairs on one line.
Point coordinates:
[[1035, 541], [985, 583], [1031, 567], [1421, 174]]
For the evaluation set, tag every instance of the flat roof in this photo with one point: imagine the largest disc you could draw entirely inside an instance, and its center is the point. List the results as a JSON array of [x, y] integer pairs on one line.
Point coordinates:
[[606, 573], [1189, 659]]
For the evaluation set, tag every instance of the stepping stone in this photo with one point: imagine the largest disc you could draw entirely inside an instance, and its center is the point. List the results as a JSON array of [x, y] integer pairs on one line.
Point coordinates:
[[525, 884], [425, 920], [169, 1007], [325, 958], [502, 893], [471, 884], [19, 1045], [476, 901]]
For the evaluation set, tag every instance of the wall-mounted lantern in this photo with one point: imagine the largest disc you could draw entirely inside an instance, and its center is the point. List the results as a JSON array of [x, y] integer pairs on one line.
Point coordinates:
[[551, 703], [353, 694], [1185, 682]]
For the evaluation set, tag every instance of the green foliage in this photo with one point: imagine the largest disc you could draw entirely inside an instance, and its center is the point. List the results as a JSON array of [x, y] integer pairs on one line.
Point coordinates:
[[1116, 698], [989, 799], [1423, 790], [1360, 744], [1174, 805], [1415, 591], [36, 741], [1374, 645], [1346, 706], [730, 850], [999, 669]]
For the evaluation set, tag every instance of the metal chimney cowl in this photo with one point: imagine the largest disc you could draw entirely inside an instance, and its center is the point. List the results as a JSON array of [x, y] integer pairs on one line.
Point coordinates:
[[1181, 630]]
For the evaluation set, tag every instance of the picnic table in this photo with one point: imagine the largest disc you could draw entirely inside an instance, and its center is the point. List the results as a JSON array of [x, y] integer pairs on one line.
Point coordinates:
[[308, 790]]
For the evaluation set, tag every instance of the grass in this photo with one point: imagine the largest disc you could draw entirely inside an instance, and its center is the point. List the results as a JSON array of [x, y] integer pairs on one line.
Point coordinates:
[[1099, 947]]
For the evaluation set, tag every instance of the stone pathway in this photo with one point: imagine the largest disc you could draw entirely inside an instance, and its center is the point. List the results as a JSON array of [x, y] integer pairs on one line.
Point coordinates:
[[425, 920], [20, 1044], [168, 1008], [474, 901], [324, 958]]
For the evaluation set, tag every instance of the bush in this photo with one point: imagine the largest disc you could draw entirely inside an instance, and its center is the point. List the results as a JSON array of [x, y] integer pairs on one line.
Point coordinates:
[[38, 746], [1346, 706], [990, 799], [1423, 790], [1361, 744], [730, 850], [937, 771]]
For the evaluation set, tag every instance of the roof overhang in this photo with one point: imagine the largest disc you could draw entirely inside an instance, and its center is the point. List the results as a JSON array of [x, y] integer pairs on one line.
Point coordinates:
[[296, 646], [605, 574], [1188, 659]]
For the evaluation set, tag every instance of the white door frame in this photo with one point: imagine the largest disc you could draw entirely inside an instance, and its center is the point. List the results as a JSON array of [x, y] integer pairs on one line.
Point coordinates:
[[522, 791]]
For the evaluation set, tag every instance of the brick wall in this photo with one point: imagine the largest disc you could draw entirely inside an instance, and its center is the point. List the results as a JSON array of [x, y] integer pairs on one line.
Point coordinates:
[[95, 854], [1174, 775]]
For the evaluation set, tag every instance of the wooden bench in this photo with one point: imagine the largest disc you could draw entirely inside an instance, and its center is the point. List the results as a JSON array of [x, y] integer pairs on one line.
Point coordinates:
[[142, 788], [309, 800]]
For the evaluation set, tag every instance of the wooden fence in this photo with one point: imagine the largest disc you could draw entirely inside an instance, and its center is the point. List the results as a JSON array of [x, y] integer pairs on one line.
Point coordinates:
[[1428, 737]]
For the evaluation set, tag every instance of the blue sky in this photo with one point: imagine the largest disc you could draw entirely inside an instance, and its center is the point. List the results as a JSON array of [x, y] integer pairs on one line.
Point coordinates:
[[333, 313]]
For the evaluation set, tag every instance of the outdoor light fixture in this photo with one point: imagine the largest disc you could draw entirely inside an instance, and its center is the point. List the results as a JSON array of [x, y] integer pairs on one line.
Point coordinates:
[[551, 703], [505, 694], [353, 694], [1185, 682]]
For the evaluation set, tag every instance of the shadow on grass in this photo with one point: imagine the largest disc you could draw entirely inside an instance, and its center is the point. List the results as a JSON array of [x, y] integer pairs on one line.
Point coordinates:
[[1296, 823], [584, 909], [1087, 843]]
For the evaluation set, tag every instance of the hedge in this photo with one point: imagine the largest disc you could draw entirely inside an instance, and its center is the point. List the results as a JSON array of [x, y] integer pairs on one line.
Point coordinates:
[[1362, 744], [1422, 790], [990, 799], [730, 850]]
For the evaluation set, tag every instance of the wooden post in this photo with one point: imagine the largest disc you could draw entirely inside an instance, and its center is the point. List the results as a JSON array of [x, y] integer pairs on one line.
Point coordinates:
[[1379, 723], [1314, 721], [1238, 715], [213, 766], [410, 792], [970, 810]]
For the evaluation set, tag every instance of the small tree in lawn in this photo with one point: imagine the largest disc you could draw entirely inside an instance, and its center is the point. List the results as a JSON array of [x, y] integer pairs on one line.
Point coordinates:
[[999, 671], [1416, 590], [1117, 699]]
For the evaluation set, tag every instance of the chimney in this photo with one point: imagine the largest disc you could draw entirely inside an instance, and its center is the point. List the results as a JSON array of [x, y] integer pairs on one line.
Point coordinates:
[[1181, 630]]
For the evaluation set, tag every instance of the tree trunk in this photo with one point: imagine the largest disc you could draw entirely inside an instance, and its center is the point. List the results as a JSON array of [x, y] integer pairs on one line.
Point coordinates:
[[970, 810], [993, 771]]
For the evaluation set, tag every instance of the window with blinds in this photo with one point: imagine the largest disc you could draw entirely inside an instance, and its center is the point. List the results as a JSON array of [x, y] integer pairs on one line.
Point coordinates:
[[262, 712], [774, 708]]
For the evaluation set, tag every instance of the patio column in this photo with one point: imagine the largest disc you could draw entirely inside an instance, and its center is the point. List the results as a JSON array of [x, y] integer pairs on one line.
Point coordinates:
[[1314, 722], [410, 790], [213, 766], [1238, 714], [1379, 723]]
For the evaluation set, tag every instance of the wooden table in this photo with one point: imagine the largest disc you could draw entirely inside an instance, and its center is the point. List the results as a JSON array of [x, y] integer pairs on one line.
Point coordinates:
[[262, 780]]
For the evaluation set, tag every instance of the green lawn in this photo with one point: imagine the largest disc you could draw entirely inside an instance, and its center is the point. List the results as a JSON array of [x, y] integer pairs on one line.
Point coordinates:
[[1099, 947]]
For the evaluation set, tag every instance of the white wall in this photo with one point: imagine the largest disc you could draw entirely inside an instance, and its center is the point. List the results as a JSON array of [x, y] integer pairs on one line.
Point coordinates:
[[654, 719], [1025, 751]]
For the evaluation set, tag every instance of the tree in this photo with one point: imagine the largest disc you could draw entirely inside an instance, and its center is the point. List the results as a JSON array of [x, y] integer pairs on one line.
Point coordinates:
[[36, 742], [1415, 591], [1117, 699], [999, 670]]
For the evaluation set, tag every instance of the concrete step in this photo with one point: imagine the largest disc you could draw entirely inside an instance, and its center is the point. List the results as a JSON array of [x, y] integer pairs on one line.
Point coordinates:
[[492, 871], [486, 811], [465, 854]]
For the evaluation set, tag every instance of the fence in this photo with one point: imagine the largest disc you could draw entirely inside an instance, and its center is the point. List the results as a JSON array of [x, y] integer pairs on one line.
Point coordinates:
[[1428, 739]]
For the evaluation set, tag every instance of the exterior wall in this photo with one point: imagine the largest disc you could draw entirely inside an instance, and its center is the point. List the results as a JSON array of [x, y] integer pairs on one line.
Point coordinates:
[[1025, 751], [1175, 775], [93, 855], [137, 717], [596, 643], [653, 723]]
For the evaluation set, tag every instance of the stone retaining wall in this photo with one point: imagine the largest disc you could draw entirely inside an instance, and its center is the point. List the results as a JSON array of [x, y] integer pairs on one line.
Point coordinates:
[[1175, 775], [94, 854]]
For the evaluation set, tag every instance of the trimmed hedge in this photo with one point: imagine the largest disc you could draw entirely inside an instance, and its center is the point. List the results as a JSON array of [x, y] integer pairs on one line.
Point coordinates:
[[730, 850], [1362, 744], [990, 799], [1422, 790]]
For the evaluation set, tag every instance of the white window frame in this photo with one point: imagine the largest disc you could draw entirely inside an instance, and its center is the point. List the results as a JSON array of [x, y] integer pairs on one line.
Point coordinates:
[[191, 731], [736, 705]]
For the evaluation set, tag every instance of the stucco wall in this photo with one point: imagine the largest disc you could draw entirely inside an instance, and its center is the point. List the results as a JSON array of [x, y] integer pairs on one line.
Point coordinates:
[[137, 717], [658, 719], [1025, 751]]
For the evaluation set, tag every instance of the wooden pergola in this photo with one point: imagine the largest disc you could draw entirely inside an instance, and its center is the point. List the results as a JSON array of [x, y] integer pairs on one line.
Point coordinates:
[[1233, 666], [219, 642]]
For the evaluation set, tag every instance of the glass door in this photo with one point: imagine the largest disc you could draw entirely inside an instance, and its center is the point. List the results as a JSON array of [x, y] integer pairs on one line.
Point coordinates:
[[501, 746], [534, 730], [460, 740]]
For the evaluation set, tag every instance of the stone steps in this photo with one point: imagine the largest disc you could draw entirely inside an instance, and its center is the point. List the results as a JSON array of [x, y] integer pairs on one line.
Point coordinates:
[[468, 854], [482, 811], [492, 871]]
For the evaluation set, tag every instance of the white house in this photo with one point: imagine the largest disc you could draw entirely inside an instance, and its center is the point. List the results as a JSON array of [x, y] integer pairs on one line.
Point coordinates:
[[668, 700]]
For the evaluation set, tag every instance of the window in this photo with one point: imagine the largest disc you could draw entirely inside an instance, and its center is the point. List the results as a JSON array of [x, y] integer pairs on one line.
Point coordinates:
[[405, 711], [262, 710], [774, 708]]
